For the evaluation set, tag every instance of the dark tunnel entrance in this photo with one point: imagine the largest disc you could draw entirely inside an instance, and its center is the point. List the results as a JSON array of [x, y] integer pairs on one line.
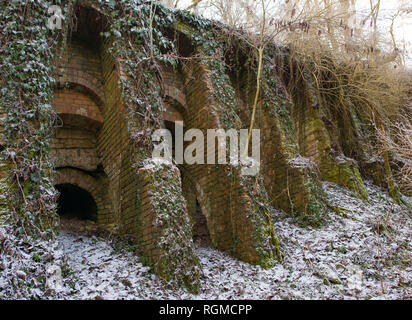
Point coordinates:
[[200, 231], [75, 203]]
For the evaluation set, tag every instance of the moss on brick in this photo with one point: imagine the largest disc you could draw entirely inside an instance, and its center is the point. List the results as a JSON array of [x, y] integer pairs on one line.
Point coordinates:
[[266, 242], [344, 172], [4, 186], [176, 260]]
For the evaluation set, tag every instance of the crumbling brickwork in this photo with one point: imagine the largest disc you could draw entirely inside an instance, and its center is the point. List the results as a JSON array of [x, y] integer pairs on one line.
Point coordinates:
[[94, 150], [291, 178], [98, 139], [222, 197], [96, 186], [316, 135]]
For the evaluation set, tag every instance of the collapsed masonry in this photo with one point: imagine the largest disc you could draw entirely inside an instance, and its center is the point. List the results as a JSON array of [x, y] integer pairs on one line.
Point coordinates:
[[95, 148]]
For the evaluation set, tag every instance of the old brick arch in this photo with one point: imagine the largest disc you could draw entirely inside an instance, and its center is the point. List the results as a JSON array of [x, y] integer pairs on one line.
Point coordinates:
[[75, 202], [82, 82], [79, 100], [96, 186], [76, 109], [96, 150], [74, 148]]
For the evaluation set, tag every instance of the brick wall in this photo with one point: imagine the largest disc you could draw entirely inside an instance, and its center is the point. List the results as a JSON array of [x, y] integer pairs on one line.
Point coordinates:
[[132, 188], [97, 186], [79, 102], [81, 68], [77, 110], [320, 143], [74, 144], [112, 140], [74, 147], [222, 197], [290, 179]]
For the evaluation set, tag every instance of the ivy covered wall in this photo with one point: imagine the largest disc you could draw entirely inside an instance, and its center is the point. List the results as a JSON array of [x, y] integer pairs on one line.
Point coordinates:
[[127, 93]]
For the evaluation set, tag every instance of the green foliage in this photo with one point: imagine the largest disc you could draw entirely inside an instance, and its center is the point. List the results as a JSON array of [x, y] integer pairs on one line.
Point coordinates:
[[25, 78], [277, 102], [178, 261], [266, 241], [130, 35], [26, 52]]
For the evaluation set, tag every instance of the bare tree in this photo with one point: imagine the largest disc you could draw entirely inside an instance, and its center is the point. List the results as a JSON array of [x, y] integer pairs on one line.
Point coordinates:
[[361, 59]]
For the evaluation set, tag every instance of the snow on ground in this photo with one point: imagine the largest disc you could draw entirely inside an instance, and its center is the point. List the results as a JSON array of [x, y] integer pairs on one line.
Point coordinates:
[[363, 252]]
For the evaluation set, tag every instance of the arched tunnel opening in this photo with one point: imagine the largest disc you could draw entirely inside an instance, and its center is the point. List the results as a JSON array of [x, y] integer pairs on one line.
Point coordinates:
[[75, 203], [200, 232]]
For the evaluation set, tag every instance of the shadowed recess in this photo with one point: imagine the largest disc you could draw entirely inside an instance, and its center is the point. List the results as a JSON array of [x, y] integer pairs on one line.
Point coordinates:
[[76, 203]]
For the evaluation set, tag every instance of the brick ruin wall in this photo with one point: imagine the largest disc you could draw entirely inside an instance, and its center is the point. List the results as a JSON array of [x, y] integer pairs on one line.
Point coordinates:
[[93, 150]]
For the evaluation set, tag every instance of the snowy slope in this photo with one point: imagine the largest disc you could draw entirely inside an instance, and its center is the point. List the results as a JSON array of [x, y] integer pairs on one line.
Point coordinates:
[[363, 252]]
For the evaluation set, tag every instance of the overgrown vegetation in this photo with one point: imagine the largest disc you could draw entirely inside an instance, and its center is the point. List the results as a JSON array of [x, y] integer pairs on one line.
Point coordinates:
[[29, 220], [178, 261], [26, 67], [360, 89], [353, 62]]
